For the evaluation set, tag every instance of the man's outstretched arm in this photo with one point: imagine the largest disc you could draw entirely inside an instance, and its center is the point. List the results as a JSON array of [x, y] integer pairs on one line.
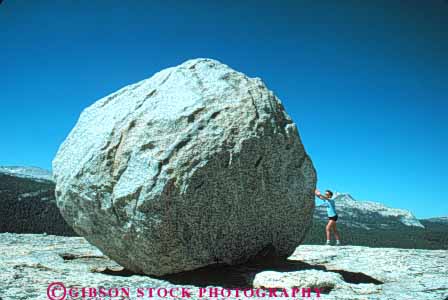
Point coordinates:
[[318, 194]]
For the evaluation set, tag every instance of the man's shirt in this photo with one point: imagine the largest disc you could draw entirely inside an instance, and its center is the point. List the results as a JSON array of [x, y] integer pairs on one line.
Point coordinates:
[[331, 207]]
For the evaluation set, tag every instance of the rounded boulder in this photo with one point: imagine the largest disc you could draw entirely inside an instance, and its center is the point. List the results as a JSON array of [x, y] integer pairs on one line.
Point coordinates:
[[197, 165]]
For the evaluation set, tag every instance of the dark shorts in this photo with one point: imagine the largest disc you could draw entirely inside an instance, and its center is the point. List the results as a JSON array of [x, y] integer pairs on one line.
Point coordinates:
[[335, 218]]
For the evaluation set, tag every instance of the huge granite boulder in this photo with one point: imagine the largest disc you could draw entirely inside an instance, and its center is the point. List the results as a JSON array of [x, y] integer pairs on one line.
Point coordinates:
[[197, 165]]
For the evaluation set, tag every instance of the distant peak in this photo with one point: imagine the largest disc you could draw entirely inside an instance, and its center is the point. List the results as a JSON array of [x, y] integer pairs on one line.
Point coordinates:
[[201, 59], [348, 203], [27, 172], [343, 196]]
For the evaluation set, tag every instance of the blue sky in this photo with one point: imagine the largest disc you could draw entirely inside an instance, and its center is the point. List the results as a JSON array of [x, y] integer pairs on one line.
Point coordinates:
[[366, 82]]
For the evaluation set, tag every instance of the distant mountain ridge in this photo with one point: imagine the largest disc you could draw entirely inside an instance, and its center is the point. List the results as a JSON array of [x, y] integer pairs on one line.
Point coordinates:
[[373, 224], [441, 220], [28, 204], [368, 214], [27, 172]]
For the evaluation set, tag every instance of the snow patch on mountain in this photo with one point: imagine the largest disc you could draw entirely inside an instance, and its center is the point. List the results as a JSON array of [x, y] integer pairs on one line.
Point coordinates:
[[27, 172]]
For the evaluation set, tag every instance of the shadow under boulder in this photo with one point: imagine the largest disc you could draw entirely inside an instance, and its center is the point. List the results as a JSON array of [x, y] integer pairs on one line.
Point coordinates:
[[242, 275]]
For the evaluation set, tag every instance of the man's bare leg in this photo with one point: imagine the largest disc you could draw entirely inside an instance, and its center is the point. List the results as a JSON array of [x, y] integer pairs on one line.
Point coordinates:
[[336, 233], [328, 229]]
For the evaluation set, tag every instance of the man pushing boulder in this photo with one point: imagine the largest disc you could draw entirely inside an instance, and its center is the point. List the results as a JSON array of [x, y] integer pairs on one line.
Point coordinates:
[[332, 216]]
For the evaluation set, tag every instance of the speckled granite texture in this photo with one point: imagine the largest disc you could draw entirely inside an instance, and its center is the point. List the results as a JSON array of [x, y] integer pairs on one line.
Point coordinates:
[[198, 164]]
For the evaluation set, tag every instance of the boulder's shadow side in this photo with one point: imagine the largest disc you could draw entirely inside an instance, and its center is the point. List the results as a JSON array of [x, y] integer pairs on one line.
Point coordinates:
[[242, 275]]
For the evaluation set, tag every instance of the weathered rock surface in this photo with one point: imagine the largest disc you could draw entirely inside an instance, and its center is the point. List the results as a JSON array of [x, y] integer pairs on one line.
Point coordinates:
[[196, 165], [30, 262], [324, 281], [405, 273]]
